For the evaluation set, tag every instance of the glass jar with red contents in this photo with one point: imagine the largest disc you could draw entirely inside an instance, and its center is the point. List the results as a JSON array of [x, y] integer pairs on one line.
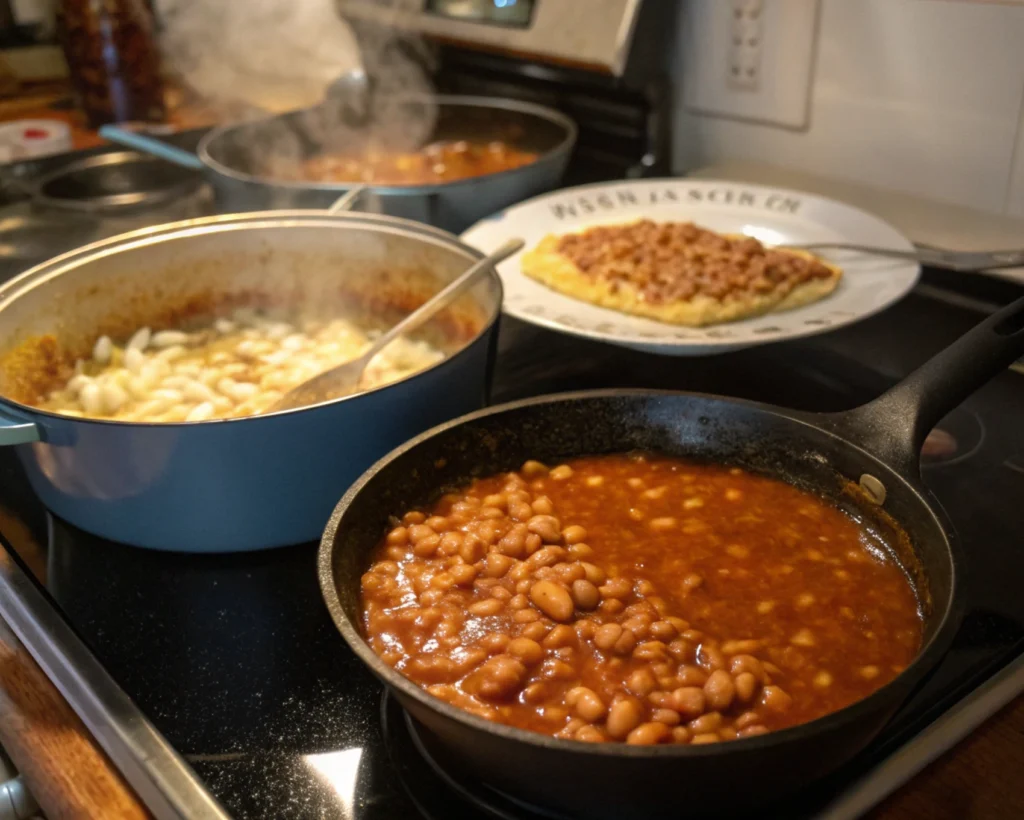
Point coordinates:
[[113, 58]]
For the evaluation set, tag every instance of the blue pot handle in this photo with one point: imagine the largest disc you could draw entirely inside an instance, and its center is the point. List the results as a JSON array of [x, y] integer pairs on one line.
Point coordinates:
[[15, 430], [152, 146]]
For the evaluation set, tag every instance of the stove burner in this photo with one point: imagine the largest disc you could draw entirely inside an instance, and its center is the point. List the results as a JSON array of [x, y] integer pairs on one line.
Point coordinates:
[[434, 784], [1016, 463], [939, 445], [956, 438]]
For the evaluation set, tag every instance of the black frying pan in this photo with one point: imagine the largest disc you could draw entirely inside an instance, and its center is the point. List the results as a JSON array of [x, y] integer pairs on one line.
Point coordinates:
[[874, 447]]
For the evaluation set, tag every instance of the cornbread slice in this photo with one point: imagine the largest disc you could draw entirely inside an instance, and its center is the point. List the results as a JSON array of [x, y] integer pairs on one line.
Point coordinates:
[[678, 272]]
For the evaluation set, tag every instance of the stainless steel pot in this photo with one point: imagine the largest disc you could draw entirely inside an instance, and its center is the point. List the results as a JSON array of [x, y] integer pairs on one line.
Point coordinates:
[[247, 483], [116, 183], [234, 159], [120, 191]]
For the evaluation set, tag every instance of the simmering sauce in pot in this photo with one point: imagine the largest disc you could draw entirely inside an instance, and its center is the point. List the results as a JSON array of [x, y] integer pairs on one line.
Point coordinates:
[[438, 162], [641, 599]]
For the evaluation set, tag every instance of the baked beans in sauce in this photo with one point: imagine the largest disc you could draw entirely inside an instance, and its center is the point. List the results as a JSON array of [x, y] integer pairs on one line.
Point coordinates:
[[641, 599]]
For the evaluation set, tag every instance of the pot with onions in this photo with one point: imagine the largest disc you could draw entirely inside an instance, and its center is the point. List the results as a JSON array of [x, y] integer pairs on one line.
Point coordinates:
[[136, 374]]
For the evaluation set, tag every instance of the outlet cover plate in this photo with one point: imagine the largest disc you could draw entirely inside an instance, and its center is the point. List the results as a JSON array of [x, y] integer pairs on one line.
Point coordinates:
[[781, 94]]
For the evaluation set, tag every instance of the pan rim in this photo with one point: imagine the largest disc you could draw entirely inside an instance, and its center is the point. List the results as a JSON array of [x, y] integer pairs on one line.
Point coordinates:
[[189, 183], [925, 660], [543, 112]]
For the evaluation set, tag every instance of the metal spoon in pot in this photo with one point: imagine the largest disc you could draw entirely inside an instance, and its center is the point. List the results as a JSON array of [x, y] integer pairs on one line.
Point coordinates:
[[346, 377]]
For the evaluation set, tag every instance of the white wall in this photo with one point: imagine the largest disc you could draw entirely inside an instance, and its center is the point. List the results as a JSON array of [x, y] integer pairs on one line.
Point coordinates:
[[922, 96]]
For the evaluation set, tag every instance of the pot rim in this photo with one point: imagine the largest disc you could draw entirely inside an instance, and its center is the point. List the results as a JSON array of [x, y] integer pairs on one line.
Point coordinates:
[[474, 101], [114, 203], [923, 662], [13, 289]]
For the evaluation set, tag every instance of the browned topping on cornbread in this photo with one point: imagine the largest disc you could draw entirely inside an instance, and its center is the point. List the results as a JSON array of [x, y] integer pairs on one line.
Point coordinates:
[[670, 261]]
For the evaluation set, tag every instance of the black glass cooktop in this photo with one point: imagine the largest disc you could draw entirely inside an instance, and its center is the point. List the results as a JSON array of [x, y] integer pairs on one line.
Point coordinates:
[[234, 658]]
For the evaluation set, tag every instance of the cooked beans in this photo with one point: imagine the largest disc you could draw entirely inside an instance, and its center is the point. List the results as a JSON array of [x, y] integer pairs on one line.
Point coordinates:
[[624, 716], [641, 682], [745, 685], [226, 369], [546, 526], [585, 595], [647, 734], [574, 534], [689, 701], [552, 599], [537, 599], [709, 722], [587, 702], [527, 650], [719, 690]]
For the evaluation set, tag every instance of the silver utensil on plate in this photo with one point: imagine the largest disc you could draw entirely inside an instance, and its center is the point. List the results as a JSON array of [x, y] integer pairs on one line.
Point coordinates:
[[347, 376], [964, 261]]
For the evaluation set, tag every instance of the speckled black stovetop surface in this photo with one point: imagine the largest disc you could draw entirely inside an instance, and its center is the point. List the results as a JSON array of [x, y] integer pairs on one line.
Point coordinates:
[[235, 660]]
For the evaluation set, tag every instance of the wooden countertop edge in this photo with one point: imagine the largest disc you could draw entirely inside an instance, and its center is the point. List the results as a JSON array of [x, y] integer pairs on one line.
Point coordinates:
[[60, 763], [978, 779]]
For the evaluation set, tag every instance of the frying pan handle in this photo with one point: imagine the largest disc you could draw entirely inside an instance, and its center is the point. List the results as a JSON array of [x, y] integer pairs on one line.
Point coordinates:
[[894, 426], [152, 146]]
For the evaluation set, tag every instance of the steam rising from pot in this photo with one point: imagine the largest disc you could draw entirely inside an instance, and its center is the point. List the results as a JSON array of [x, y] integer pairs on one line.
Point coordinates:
[[366, 86]]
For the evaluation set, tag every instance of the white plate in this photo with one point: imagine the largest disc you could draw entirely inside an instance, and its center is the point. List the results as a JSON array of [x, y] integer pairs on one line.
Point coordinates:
[[772, 215]]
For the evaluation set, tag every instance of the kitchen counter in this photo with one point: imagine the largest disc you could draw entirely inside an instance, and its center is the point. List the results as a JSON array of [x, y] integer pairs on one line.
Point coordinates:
[[53, 100], [979, 778], [50, 101], [60, 763]]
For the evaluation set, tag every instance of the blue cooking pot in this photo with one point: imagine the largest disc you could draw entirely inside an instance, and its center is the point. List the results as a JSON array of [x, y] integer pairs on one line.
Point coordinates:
[[246, 483]]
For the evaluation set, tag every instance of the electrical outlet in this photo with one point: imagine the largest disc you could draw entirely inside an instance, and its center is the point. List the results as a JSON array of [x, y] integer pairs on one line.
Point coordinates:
[[750, 59], [745, 36]]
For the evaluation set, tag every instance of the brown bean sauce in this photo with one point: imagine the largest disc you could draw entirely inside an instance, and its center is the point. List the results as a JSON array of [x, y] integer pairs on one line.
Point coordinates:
[[437, 163], [641, 599]]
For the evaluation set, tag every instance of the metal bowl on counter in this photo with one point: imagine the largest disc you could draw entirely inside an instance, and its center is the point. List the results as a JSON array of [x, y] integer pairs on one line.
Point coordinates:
[[237, 483], [237, 159], [86, 198], [117, 183]]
